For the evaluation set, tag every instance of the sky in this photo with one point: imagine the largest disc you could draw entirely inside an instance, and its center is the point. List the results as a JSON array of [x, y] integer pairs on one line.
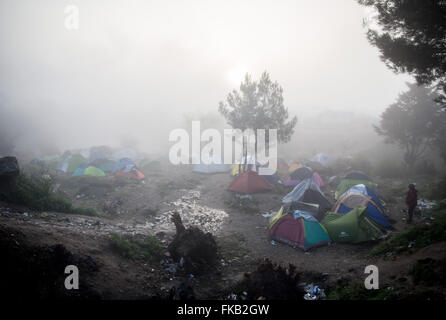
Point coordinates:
[[134, 69]]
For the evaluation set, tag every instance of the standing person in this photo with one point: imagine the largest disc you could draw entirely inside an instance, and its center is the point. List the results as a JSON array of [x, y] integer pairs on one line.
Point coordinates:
[[411, 201]]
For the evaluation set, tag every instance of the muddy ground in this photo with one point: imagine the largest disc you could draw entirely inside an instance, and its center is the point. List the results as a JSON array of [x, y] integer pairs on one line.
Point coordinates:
[[144, 208]]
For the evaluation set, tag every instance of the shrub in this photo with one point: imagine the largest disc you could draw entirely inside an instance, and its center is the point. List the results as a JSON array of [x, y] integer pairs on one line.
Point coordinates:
[[36, 192]]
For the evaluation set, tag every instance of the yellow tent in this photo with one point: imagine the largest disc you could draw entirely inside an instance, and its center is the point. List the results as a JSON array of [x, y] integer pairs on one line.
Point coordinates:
[[294, 167]]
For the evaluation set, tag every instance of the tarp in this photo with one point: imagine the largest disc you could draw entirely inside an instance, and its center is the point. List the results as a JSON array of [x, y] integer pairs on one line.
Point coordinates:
[[308, 191], [249, 182], [352, 227], [346, 184]]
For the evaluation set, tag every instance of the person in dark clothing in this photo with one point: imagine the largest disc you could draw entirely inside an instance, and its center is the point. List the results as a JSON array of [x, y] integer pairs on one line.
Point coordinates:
[[411, 201]]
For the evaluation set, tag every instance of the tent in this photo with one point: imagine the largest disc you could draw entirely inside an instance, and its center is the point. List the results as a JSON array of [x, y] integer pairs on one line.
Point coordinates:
[[74, 162], [352, 227], [93, 171], [123, 164], [293, 167], [106, 165], [125, 153], [301, 173], [357, 175], [361, 196], [308, 191], [272, 178], [70, 162], [133, 174], [282, 165], [211, 168], [100, 152], [64, 161], [323, 159], [294, 182], [297, 231], [249, 182], [346, 184]]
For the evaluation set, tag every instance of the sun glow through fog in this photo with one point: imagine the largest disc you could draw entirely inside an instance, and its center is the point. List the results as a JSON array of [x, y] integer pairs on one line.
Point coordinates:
[[236, 75]]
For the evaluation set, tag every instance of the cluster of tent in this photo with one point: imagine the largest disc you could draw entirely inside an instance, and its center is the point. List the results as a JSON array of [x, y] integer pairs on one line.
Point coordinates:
[[307, 219], [102, 161]]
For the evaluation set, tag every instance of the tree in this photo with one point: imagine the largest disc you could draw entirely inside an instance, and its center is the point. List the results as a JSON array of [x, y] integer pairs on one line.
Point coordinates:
[[258, 105], [412, 38], [413, 122]]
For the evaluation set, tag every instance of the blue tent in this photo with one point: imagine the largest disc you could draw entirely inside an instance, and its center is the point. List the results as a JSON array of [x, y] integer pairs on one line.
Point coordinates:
[[362, 196], [123, 164]]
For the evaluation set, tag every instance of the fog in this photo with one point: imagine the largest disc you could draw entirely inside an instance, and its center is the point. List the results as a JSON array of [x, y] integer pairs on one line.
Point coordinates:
[[135, 70]]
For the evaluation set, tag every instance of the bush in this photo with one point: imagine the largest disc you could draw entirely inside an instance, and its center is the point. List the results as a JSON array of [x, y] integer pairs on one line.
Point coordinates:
[[36, 192]]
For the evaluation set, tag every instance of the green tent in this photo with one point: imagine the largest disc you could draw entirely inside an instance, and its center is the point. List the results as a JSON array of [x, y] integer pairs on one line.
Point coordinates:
[[348, 183], [93, 171], [75, 162], [352, 227]]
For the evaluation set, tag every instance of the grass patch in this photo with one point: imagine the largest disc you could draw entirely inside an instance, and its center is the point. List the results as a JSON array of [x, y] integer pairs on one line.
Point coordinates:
[[357, 291], [231, 247], [147, 248], [420, 236], [244, 205], [36, 192]]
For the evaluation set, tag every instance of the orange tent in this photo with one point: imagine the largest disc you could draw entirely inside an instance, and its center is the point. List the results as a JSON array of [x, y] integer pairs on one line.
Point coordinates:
[[249, 182], [134, 174]]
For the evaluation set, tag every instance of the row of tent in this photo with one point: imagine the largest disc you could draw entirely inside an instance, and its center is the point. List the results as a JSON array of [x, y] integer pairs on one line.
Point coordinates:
[[98, 165], [101, 162], [357, 216]]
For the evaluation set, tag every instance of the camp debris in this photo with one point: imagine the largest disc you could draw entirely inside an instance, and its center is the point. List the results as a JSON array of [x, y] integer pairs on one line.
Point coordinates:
[[314, 293]]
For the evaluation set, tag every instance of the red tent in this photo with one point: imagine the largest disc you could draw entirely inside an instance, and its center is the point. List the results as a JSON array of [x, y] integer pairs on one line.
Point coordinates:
[[249, 182]]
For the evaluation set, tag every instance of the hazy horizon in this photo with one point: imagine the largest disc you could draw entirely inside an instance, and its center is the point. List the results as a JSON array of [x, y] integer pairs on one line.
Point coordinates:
[[133, 63]]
